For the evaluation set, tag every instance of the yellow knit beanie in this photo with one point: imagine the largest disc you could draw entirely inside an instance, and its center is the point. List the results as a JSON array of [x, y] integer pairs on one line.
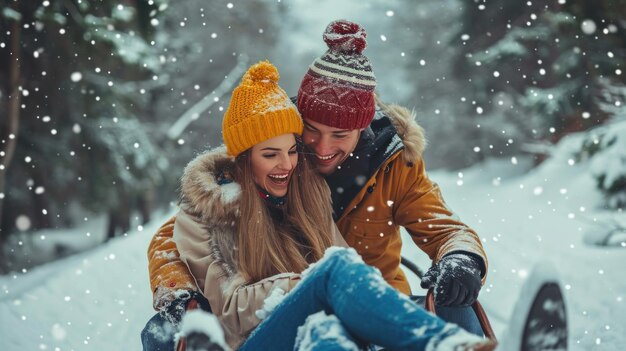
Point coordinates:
[[259, 110]]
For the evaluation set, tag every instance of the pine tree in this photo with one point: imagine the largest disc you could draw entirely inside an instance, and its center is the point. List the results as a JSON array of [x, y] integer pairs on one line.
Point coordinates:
[[537, 67], [605, 148], [82, 69]]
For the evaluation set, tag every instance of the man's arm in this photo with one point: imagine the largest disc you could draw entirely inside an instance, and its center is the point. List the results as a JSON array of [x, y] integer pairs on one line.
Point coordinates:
[[430, 222], [169, 276], [460, 263]]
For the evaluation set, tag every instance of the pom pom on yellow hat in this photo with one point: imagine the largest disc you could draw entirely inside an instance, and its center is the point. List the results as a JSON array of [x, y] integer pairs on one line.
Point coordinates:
[[259, 110]]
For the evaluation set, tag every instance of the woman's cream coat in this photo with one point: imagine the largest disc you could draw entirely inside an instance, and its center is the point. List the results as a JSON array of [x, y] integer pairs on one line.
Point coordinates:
[[204, 233]]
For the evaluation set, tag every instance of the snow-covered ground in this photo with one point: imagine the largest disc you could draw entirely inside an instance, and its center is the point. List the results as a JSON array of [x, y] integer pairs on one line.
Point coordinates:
[[100, 300]]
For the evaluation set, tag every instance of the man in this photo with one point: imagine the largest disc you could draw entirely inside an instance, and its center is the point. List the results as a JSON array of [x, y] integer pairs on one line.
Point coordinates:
[[371, 159]]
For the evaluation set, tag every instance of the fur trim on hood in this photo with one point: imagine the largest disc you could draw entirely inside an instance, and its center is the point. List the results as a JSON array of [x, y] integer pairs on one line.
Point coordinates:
[[205, 193], [411, 133]]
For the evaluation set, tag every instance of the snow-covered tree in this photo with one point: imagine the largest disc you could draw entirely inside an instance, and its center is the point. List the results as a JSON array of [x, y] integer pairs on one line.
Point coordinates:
[[537, 67], [426, 41], [605, 148], [84, 73], [200, 43]]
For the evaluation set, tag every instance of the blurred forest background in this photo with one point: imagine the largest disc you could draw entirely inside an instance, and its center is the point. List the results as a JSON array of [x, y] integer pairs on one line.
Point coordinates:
[[102, 103]]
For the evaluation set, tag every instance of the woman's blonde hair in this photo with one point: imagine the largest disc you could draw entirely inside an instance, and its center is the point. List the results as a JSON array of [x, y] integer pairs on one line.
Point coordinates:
[[266, 247]]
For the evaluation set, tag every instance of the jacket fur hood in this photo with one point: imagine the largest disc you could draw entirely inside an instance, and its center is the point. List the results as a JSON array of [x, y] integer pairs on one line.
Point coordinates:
[[411, 133], [205, 191]]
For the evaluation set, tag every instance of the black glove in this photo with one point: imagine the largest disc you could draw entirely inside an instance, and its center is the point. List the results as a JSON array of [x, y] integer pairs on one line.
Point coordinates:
[[173, 312], [456, 279]]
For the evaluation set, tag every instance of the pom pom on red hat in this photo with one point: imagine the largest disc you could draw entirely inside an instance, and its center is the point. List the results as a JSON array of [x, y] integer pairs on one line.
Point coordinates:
[[345, 37], [338, 88]]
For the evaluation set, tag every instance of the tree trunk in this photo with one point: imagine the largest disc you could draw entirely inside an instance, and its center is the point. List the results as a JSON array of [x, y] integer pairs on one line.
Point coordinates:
[[146, 202], [9, 135], [119, 218], [111, 226], [41, 202]]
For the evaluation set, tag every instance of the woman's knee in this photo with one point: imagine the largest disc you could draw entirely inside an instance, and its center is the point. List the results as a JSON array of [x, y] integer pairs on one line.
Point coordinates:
[[338, 265], [338, 260], [340, 255], [346, 260]]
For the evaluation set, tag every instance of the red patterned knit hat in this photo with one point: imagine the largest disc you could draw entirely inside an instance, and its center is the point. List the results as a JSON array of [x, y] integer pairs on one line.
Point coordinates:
[[338, 89]]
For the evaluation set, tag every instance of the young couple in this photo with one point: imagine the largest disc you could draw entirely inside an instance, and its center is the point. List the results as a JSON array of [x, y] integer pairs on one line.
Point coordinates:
[[257, 220]]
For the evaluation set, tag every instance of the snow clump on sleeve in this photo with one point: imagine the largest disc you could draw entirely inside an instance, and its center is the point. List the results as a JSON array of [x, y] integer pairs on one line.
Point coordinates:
[[269, 304]]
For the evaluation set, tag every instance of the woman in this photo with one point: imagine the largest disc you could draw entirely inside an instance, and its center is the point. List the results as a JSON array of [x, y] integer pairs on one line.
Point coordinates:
[[253, 219]]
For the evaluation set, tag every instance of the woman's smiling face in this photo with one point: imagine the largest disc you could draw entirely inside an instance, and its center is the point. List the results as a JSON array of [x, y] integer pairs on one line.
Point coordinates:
[[273, 162]]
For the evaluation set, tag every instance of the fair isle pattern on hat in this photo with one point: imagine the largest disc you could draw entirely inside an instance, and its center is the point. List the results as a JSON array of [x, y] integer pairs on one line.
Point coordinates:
[[352, 72], [338, 88]]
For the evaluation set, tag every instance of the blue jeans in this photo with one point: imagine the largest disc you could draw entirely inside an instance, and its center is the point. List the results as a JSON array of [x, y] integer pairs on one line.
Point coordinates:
[[155, 335], [464, 317], [158, 334], [369, 309]]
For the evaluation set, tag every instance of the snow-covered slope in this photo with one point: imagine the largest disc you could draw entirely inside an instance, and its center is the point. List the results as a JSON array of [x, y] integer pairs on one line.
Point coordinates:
[[99, 300]]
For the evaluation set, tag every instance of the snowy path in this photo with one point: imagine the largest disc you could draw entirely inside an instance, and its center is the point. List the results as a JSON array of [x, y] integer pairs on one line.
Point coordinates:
[[100, 300]]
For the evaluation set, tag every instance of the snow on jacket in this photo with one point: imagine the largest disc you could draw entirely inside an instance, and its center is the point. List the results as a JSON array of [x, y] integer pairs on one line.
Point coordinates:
[[204, 235]]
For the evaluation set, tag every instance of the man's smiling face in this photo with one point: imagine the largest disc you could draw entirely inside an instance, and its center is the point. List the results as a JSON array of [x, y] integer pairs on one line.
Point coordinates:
[[331, 145]]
